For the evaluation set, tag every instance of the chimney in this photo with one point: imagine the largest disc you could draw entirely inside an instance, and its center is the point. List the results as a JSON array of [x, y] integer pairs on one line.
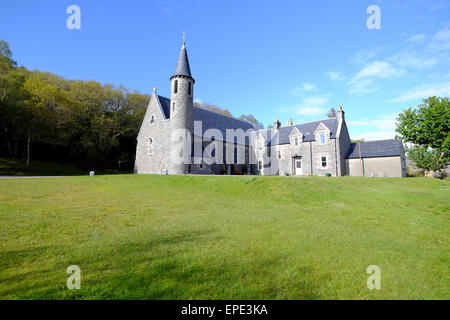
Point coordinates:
[[340, 113], [289, 123], [277, 124]]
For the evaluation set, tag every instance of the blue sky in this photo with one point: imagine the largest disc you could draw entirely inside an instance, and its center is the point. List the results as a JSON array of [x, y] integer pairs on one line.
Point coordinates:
[[273, 59]]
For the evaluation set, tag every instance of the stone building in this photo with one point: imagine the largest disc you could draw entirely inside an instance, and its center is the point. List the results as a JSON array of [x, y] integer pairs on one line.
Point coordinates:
[[177, 138]]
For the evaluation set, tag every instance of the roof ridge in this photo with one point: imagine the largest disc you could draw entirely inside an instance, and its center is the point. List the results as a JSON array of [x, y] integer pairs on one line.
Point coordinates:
[[223, 115]]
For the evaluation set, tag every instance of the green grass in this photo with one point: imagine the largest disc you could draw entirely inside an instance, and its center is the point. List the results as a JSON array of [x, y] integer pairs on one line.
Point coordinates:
[[189, 237]]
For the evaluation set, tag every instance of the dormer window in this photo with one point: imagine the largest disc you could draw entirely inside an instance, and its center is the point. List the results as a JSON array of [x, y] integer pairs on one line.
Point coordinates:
[[296, 141], [175, 87], [152, 119], [322, 138]]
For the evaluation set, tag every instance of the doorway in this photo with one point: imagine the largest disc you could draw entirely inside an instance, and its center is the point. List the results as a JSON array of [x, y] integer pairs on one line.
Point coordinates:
[[298, 166]]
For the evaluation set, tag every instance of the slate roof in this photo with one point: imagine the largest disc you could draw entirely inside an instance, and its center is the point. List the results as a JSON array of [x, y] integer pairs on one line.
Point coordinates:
[[182, 68], [165, 104], [213, 120], [210, 120], [281, 136], [380, 148]]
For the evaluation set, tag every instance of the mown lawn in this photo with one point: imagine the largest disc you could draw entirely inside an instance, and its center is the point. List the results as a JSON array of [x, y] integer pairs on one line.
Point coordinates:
[[189, 237]]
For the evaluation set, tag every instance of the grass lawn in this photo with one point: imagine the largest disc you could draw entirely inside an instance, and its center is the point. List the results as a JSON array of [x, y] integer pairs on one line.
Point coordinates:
[[191, 237]]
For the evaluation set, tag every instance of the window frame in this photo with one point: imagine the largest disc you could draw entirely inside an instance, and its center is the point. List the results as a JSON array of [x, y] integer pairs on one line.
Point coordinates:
[[322, 161], [324, 135]]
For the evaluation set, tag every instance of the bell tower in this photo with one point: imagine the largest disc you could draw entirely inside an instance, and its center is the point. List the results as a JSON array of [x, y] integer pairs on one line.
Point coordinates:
[[182, 109]]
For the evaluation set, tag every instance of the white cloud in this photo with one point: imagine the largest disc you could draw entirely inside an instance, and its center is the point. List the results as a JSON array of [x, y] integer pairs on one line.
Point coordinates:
[[364, 56], [440, 41], [413, 60], [425, 91], [305, 87], [382, 122], [359, 84], [334, 76], [383, 125], [375, 135], [312, 106], [378, 69], [416, 39]]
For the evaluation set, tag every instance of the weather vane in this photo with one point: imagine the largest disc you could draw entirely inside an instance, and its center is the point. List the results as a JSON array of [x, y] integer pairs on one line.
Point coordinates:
[[184, 36]]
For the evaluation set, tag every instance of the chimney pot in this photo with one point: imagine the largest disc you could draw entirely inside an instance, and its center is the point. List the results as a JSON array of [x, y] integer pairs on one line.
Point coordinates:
[[277, 124]]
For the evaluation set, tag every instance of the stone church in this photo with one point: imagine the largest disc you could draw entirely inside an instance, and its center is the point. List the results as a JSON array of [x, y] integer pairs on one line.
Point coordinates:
[[177, 137]]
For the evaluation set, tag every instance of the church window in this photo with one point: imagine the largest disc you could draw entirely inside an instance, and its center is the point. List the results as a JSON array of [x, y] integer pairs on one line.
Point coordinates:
[[260, 145], [324, 161], [150, 143], [175, 87], [152, 119], [322, 138], [189, 88]]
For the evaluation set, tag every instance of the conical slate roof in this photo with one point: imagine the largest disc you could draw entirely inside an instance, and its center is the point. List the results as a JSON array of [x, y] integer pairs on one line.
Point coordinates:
[[183, 68]]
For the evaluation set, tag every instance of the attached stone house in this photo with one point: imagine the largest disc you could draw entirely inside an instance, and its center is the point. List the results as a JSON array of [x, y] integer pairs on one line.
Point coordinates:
[[178, 138]]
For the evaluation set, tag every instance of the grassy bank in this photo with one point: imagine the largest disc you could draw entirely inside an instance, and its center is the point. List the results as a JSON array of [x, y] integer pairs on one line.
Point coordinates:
[[173, 237]]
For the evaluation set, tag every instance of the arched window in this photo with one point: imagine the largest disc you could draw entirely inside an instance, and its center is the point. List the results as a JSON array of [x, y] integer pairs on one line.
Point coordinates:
[[175, 87]]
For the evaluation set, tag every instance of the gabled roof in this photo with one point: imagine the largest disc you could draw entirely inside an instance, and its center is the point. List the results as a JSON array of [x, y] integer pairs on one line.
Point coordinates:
[[213, 120], [183, 68], [380, 148], [210, 120], [165, 104], [282, 135]]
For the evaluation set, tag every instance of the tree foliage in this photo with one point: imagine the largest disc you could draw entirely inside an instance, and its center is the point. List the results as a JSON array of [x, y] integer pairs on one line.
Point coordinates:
[[84, 122], [252, 120], [427, 128], [331, 113]]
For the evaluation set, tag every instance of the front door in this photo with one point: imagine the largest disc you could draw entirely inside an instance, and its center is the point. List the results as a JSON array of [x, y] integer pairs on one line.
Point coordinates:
[[298, 167]]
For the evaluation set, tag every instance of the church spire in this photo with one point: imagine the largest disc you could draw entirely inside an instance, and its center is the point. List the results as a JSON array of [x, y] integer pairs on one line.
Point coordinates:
[[183, 68]]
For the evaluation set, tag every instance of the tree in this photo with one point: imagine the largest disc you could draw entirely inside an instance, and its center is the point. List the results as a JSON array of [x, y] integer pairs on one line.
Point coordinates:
[[427, 128], [252, 120], [331, 113], [213, 108]]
